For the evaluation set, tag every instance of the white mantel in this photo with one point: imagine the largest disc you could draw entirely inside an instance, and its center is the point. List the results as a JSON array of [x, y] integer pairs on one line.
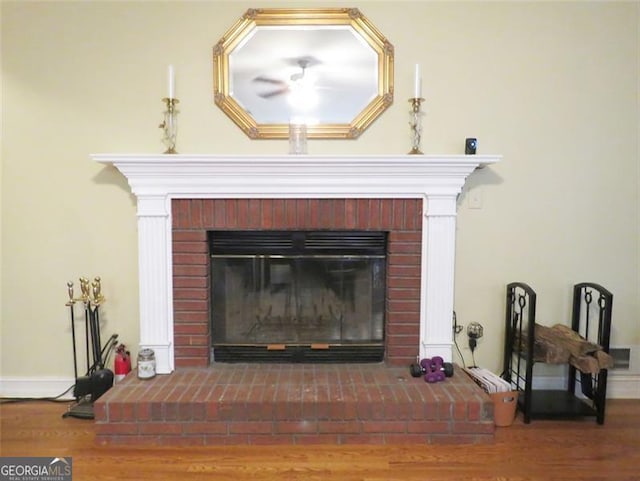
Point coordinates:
[[157, 179]]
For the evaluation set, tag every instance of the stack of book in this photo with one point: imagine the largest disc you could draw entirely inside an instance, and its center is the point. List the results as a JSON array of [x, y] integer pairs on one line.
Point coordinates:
[[487, 380]]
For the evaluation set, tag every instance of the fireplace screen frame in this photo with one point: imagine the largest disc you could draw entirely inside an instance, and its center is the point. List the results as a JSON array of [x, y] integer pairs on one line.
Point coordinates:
[[307, 296]]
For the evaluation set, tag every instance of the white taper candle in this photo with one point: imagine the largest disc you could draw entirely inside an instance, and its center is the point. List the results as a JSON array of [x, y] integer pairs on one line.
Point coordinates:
[[172, 82], [417, 84]]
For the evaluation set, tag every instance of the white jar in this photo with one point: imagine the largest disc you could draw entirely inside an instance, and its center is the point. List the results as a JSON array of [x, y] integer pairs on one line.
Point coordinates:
[[146, 364], [297, 138]]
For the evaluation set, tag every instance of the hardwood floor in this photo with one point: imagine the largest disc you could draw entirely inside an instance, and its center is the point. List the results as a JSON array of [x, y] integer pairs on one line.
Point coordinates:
[[542, 450]]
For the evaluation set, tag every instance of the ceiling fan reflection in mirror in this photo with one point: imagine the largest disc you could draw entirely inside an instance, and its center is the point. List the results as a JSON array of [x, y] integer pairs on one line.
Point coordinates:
[[300, 87]]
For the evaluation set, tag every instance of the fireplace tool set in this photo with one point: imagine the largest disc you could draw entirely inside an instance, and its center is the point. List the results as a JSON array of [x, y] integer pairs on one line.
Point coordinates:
[[97, 380]]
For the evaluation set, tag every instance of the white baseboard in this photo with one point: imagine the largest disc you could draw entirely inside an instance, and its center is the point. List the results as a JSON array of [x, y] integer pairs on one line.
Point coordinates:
[[619, 386], [29, 387]]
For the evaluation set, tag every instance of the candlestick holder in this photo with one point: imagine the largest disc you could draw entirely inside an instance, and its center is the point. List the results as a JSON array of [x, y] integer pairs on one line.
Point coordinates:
[[169, 125], [415, 124]]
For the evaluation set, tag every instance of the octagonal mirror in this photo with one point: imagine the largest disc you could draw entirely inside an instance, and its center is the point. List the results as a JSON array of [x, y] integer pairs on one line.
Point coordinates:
[[328, 68]]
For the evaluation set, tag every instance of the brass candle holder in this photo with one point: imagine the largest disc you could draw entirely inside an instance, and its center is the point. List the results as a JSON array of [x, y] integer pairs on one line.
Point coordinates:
[[415, 125], [169, 125]]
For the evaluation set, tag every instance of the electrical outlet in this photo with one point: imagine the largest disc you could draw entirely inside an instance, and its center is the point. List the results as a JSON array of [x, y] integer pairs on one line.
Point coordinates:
[[475, 198]]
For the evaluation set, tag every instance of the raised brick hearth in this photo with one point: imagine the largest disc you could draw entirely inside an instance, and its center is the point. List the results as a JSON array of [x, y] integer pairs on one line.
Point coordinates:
[[192, 218], [294, 404]]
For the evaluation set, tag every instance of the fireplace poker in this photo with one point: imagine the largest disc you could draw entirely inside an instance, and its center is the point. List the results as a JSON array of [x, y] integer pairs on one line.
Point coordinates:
[[96, 320], [70, 303]]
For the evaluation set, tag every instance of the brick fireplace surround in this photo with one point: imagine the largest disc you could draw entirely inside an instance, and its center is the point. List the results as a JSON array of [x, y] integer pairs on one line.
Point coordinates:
[[195, 401]]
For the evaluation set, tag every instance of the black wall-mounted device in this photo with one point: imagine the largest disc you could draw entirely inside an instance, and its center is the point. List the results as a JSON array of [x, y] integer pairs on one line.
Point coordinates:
[[470, 146]]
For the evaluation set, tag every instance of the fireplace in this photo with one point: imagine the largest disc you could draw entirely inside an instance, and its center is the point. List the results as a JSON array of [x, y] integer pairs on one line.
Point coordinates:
[[178, 194], [298, 296]]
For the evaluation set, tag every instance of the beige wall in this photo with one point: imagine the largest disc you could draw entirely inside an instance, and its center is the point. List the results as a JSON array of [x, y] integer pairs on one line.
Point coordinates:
[[551, 86]]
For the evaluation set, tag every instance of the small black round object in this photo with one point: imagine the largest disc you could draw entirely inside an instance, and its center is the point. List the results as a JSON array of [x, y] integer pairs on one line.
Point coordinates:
[[448, 369], [416, 370]]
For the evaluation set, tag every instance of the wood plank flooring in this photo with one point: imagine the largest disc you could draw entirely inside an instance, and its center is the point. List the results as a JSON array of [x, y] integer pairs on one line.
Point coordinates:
[[542, 450]]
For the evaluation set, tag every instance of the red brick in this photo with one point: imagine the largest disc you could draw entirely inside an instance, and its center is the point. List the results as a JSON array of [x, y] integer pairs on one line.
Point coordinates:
[[143, 411], [219, 214], [296, 427], [325, 427], [190, 270], [339, 214], [251, 427], [374, 219], [160, 428], [191, 351], [405, 248], [386, 214], [384, 427], [313, 221], [190, 247], [403, 260], [403, 293], [195, 207], [395, 329], [180, 213], [406, 236], [231, 214], [117, 428], [115, 412], [192, 317], [190, 259], [403, 306], [429, 427], [404, 282], [190, 305], [216, 427], [411, 208], [266, 219], [100, 411], [189, 235], [398, 214], [243, 213], [181, 329], [191, 294], [190, 282], [290, 214]]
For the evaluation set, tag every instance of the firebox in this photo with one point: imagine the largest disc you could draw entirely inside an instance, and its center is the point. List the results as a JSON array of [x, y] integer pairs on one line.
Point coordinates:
[[298, 296]]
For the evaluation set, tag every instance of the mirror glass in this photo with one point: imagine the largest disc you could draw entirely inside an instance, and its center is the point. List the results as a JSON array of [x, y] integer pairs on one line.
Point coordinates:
[[330, 69]]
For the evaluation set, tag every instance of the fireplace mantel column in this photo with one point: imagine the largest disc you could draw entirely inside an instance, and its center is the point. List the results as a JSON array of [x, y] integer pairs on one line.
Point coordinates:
[[155, 265], [438, 263]]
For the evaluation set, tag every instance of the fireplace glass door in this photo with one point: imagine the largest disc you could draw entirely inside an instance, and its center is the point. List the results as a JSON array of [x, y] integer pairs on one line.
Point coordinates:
[[298, 296]]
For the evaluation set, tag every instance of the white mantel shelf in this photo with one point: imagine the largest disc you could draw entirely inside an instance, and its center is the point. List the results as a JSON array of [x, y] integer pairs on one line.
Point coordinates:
[[157, 179]]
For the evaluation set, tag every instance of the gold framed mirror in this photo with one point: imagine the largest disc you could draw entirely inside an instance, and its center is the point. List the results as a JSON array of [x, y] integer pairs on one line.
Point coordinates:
[[329, 68]]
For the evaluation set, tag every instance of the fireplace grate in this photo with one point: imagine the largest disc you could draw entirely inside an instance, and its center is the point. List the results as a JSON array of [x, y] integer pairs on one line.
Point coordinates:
[[298, 242]]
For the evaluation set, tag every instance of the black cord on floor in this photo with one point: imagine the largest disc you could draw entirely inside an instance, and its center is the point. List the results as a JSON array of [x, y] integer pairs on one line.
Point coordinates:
[[7, 400]]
